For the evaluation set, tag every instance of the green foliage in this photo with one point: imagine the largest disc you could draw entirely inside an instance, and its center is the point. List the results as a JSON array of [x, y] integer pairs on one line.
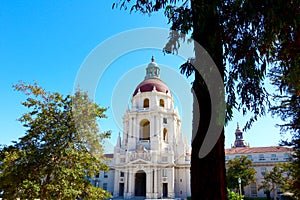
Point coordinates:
[[61, 148], [240, 168], [278, 177], [286, 77], [234, 196]]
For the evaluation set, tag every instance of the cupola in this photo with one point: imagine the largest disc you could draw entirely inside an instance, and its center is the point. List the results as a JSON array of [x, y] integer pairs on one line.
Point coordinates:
[[239, 140], [152, 81]]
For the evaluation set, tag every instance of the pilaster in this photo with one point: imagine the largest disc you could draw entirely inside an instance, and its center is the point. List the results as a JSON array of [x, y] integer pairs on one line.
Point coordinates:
[[148, 183], [171, 182], [155, 194], [116, 183], [188, 180]]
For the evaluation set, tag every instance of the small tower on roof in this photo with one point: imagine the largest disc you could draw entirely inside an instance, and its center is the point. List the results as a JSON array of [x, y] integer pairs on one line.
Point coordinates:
[[239, 139], [152, 71]]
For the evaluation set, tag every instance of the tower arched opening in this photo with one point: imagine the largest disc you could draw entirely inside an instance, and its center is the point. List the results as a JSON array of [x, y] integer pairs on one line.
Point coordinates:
[[165, 135], [146, 103], [161, 103], [145, 129]]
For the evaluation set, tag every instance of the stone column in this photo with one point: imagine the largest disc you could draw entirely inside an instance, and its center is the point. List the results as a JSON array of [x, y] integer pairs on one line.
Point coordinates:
[[159, 182], [151, 119], [116, 183], [136, 128], [148, 183], [131, 183], [188, 181], [159, 130], [171, 183], [155, 125], [155, 183], [130, 126]]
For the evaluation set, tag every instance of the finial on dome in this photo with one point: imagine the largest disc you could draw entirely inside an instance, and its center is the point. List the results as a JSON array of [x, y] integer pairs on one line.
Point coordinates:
[[237, 126], [152, 59]]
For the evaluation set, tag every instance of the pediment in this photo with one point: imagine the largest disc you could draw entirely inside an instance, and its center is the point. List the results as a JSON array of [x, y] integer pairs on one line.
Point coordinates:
[[138, 162]]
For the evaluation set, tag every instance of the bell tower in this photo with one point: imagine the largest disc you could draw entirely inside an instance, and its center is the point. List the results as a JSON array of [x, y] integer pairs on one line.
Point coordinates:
[[239, 139], [152, 151]]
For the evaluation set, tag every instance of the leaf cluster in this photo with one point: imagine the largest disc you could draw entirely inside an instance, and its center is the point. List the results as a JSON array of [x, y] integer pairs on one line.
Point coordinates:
[[234, 196], [279, 177], [239, 168], [61, 148]]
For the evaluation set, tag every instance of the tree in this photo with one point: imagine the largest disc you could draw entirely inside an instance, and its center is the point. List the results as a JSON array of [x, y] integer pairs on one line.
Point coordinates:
[[234, 196], [240, 168], [278, 177], [60, 150], [286, 77], [242, 37]]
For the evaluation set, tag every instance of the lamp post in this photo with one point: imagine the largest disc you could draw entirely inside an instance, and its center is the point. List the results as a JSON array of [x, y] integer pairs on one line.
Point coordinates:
[[240, 185]]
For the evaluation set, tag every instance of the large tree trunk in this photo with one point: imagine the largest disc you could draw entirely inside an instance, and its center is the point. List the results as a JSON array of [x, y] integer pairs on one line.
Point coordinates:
[[208, 173]]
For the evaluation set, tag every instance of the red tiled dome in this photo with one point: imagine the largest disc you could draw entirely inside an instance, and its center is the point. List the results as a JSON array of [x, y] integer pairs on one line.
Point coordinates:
[[148, 85]]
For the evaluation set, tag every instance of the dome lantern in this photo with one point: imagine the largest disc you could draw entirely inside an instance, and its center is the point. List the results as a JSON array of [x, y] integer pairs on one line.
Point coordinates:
[[152, 71], [152, 81]]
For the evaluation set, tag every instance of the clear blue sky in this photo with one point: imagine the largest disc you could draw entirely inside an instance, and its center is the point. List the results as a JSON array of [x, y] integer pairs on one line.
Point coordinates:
[[47, 42]]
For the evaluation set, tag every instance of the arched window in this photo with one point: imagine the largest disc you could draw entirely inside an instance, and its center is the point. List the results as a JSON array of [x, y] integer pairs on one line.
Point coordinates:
[[165, 135], [146, 103], [161, 103], [145, 130]]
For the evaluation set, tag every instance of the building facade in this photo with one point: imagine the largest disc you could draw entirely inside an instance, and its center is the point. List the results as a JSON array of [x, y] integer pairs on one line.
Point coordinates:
[[263, 159], [152, 159]]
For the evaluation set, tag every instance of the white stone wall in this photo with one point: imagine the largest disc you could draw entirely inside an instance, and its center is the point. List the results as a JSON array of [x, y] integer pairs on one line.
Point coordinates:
[[182, 182], [165, 160], [106, 178], [259, 162]]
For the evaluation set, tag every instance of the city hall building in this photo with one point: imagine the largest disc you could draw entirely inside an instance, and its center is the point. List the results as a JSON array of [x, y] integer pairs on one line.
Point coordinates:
[[152, 159]]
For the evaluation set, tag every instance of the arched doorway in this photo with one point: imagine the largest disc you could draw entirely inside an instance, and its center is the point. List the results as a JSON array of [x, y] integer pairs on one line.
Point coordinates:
[[140, 183]]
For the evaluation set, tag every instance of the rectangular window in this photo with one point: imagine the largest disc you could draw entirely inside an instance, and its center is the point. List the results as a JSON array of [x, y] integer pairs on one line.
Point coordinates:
[[286, 156], [263, 170], [226, 158], [165, 121], [105, 175], [164, 173], [121, 174], [237, 156], [261, 157], [104, 186], [249, 157], [273, 157], [97, 175], [253, 189]]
